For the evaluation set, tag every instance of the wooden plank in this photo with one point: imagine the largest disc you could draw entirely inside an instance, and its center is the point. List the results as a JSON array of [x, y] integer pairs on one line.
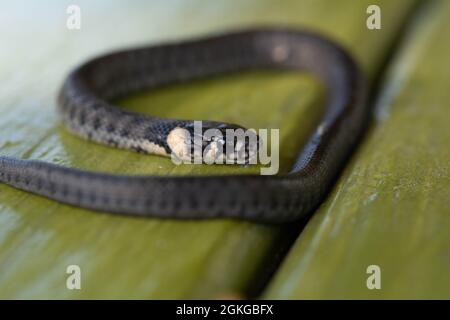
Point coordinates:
[[391, 208], [150, 258]]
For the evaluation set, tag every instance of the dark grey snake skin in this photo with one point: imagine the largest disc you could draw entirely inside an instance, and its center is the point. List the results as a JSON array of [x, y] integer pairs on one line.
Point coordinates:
[[85, 111]]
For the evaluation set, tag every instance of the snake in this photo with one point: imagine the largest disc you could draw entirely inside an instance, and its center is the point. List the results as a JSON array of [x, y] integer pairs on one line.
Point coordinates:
[[85, 108]]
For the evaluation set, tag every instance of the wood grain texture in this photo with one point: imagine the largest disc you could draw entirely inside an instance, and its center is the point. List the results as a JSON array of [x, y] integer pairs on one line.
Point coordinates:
[[391, 208], [148, 258]]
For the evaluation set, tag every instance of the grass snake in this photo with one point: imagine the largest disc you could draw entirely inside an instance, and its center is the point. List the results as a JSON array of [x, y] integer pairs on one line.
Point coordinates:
[[85, 109]]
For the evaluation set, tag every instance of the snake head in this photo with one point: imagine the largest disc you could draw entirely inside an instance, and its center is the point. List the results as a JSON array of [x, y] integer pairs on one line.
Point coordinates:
[[214, 142]]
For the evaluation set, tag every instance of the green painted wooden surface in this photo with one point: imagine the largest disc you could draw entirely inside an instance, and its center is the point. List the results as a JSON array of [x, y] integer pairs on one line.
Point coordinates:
[[149, 258], [391, 208]]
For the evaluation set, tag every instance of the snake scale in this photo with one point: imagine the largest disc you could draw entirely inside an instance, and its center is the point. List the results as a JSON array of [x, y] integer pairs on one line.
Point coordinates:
[[84, 107]]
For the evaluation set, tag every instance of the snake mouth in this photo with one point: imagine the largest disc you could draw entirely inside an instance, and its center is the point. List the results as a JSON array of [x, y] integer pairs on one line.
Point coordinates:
[[220, 144]]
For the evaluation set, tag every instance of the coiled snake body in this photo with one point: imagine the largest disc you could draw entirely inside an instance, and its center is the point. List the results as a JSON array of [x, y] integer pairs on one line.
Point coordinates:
[[85, 110]]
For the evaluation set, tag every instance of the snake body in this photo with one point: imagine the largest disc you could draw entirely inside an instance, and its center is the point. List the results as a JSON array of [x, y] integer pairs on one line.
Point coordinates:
[[86, 111]]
